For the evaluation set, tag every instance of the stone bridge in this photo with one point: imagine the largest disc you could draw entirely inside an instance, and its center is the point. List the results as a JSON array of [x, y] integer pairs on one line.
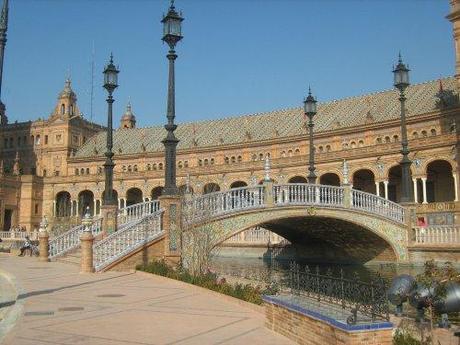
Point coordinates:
[[327, 220]]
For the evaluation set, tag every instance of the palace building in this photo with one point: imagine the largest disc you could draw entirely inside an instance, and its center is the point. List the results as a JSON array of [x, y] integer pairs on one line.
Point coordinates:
[[54, 166]]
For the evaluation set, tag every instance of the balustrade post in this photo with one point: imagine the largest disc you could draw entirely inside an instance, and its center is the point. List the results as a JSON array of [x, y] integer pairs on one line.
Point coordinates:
[[109, 219], [43, 245], [347, 196], [268, 194], [172, 225], [86, 260]]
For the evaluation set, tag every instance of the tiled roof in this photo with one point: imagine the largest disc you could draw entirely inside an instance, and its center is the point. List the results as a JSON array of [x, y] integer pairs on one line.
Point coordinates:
[[344, 113]]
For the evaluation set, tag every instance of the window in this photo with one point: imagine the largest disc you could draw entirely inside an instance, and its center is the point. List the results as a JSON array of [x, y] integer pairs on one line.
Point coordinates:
[[395, 138], [254, 157], [360, 143], [328, 148], [130, 168], [154, 166], [261, 156], [99, 170], [56, 173], [387, 139], [379, 140], [44, 172], [320, 149], [290, 153], [233, 159], [72, 110], [46, 140], [135, 168], [62, 109], [87, 171], [186, 164], [240, 159], [149, 167], [76, 172], [36, 208], [37, 140], [179, 165], [206, 162], [283, 154], [268, 154], [424, 134], [160, 166], [227, 160], [212, 161], [200, 162], [84, 140], [433, 132], [82, 171], [297, 152]]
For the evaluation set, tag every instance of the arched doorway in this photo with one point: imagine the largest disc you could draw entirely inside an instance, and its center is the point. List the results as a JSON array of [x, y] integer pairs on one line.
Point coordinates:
[[440, 182], [63, 204], [114, 194], [156, 192], [238, 184], [364, 180], [211, 188], [133, 196], [297, 179], [330, 179], [394, 183], [85, 199]]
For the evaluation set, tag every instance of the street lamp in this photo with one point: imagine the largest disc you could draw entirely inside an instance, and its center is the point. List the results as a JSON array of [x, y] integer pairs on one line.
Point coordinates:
[[171, 35], [110, 84], [401, 82], [310, 110]]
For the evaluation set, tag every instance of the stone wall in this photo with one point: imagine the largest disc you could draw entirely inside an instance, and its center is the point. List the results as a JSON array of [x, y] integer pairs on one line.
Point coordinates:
[[440, 253], [307, 330]]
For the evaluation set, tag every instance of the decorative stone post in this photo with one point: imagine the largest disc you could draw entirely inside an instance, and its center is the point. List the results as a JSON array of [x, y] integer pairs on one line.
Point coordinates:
[[109, 222], [172, 225], [268, 184], [87, 240], [43, 240]]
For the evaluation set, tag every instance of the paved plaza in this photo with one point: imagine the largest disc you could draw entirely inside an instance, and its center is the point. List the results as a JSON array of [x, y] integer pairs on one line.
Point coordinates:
[[57, 305]]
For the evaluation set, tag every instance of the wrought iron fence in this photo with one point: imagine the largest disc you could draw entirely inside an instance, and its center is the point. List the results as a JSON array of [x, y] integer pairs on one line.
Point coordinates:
[[360, 298]]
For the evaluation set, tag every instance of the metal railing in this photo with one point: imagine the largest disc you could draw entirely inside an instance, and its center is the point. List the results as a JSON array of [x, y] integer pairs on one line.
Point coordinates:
[[437, 234], [70, 240], [221, 203], [361, 299], [126, 240], [377, 205], [137, 211], [308, 194]]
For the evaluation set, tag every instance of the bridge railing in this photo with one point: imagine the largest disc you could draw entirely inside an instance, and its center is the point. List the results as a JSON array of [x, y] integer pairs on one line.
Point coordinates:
[[137, 211], [437, 234], [127, 239], [18, 235], [70, 240], [375, 204], [220, 203], [308, 194]]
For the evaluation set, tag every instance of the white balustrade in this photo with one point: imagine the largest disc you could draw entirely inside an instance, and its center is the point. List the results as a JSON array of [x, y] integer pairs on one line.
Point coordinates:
[[308, 194], [137, 211], [221, 203], [377, 205], [18, 235], [70, 240], [124, 241], [437, 234]]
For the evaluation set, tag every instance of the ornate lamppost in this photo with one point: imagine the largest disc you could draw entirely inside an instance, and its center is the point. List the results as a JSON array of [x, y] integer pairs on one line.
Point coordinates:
[[171, 35], [401, 82], [110, 84], [310, 111]]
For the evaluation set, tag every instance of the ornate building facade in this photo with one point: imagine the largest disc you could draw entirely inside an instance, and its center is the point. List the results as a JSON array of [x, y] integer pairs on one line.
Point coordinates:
[[54, 166]]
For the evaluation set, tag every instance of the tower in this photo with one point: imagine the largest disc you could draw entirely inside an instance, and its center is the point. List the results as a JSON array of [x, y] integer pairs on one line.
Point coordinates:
[[67, 103], [128, 120], [454, 18], [3, 29]]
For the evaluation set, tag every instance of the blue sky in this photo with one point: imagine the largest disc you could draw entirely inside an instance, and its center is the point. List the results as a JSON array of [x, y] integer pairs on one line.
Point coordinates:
[[237, 56]]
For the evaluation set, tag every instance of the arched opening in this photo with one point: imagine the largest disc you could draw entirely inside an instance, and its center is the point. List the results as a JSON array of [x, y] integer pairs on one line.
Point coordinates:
[[63, 204], [133, 196], [114, 194], [297, 179], [330, 179], [211, 188], [156, 192], [440, 182], [238, 184], [183, 189], [364, 180], [394, 183], [85, 199]]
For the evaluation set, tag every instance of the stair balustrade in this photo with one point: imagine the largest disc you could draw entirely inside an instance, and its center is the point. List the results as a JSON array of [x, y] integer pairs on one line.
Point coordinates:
[[377, 205], [137, 211]]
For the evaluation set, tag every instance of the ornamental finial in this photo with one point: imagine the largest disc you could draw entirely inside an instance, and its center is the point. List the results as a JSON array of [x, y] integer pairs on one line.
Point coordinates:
[[267, 169]]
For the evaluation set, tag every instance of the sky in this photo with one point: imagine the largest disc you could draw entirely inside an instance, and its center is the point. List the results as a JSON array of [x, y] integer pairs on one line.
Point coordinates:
[[237, 56]]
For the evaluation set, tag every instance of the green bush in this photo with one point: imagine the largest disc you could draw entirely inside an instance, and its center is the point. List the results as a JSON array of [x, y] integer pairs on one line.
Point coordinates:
[[404, 338], [208, 280]]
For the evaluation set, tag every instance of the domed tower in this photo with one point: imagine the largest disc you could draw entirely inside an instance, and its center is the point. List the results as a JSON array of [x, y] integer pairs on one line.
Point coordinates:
[[67, 103], [128, 120]]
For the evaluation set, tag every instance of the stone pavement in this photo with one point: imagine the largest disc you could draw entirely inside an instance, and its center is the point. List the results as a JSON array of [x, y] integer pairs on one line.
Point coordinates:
[[57, 305]]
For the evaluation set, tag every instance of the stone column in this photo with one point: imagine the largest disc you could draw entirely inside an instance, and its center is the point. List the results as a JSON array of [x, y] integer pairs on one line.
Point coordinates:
[[424, 190], [377, 188], [71, 208], [385, 184], [454, 175], [414, 180], [86, 261], [43, 245], [172, 226], [94, 207], [119, 202], [54, 208]]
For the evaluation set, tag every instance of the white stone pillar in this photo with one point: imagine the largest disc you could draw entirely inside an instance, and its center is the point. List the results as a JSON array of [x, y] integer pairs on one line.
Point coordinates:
[[414, 180], [119, 202], [377, 188], [71, 207], [385, 184], [94, 207], [424, 190], [454, 175], [54, 208], [77, 212]]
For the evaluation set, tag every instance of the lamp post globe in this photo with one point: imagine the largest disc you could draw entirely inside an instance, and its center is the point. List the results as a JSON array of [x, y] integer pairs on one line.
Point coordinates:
[[401, 82], [110, 84], [172, 33], [310, 111]]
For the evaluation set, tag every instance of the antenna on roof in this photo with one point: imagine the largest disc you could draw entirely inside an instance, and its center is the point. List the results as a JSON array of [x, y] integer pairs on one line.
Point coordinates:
[[91, 92]]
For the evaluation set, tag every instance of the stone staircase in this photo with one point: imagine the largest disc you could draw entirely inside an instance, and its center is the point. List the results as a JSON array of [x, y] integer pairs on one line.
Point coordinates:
[[72, 258]]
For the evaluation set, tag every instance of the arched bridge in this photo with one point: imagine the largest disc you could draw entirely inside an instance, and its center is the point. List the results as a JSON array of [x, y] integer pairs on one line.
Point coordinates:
[[356, 223]]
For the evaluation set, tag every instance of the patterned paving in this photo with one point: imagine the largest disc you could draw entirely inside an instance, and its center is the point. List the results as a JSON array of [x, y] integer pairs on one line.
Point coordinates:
[[64, 307]]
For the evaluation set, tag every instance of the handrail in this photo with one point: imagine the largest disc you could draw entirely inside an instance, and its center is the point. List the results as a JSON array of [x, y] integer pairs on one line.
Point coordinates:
[[377, 205], [70, 240], [136, 211], [308, 194], [124, 241]]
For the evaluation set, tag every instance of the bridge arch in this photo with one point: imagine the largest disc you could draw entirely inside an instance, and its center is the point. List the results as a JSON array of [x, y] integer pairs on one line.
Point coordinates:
[[361, 236]]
